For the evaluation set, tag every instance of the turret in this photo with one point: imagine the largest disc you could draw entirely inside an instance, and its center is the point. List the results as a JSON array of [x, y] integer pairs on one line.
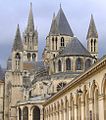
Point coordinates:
[[92, 39], [17, 51]]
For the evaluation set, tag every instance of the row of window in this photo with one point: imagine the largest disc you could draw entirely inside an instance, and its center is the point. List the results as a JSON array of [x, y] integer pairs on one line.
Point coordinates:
[[79, 64], [54, 43]]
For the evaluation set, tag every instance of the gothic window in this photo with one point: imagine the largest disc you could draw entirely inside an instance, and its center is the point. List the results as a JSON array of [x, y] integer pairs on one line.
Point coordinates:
[[56, 43], [87, 63], [25, 113], [79, 64], [54, 66], [62, 42], [30, 94], [68, 64], [36, 113], [95, 45], [17, 56], [29, 56], [59, 66], [53, 43], [19, 113], [60, 86], [91, 45], [33, 56]]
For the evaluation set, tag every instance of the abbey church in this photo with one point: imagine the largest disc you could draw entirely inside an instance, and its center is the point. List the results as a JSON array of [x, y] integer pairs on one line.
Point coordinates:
[[68, 84]]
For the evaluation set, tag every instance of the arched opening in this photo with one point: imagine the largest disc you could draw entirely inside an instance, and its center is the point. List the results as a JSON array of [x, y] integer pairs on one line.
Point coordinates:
[[94, 45], [25, 113], [56, 42], [60, 86], [17, 57], [53, 43], [59, 66], [33, 56], [19, 113], [54, 66], [79, 64], [62, 42], [88, 63], [29, 56], [68, 64], [91, 45], [36, 113]]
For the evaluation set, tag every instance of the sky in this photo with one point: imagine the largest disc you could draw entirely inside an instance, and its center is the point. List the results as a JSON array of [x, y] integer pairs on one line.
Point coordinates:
[[78, 12]]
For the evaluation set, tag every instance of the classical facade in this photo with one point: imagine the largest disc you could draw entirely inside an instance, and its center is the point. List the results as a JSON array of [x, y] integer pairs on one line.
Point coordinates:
[[64, 85]]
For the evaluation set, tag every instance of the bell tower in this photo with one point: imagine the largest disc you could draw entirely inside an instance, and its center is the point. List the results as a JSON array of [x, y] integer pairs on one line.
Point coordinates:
[[92, 39], [30, 40]]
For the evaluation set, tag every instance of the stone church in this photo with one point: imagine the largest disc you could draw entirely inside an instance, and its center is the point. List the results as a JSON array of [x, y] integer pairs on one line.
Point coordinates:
[[69, 82]]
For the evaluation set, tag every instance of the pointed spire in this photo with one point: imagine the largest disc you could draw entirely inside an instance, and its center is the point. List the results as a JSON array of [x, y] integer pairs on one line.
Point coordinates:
[[17, 41], [62, 24], [30, 25], [92, 32], [53, 29]]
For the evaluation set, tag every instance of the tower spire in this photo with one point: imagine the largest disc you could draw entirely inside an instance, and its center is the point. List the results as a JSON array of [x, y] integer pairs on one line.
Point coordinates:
[[30, 25], [92, 32], [17, 41]]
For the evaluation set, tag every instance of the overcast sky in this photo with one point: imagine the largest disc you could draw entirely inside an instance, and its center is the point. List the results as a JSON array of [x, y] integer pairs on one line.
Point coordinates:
[[13, 12]]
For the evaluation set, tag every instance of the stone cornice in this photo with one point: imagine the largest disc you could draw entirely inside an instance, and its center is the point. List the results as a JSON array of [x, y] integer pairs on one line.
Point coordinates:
[[95, 68]]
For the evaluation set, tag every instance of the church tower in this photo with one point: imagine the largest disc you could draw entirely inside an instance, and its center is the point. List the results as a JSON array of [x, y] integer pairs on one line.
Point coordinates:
[[17, 52], [30, 40], [92, 39], [60, 34]]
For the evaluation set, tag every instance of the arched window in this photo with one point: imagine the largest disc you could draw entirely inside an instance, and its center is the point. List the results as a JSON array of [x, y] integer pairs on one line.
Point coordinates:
[[36, 113], [19, 113], [79, 64], [87, 63], [60, 86], [54, 65], [25, 113], [95, 45], [56, 42], [59, 66], [91, 45], [68, 64], [53, 43], [62, 42], [33, 56], [29, 56], [17, 56]]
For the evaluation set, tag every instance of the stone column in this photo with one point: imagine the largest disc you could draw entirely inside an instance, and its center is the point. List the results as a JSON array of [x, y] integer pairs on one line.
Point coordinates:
[[75, 112], [102, 114], [69, 113], [64, 113], [91, 110], [82, 111], [60, 117], [29, 113]]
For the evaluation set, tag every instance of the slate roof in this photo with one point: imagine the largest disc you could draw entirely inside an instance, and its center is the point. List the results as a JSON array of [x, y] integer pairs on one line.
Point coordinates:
[[18, 45], [92, 32], [74, 48], [60, 25]]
